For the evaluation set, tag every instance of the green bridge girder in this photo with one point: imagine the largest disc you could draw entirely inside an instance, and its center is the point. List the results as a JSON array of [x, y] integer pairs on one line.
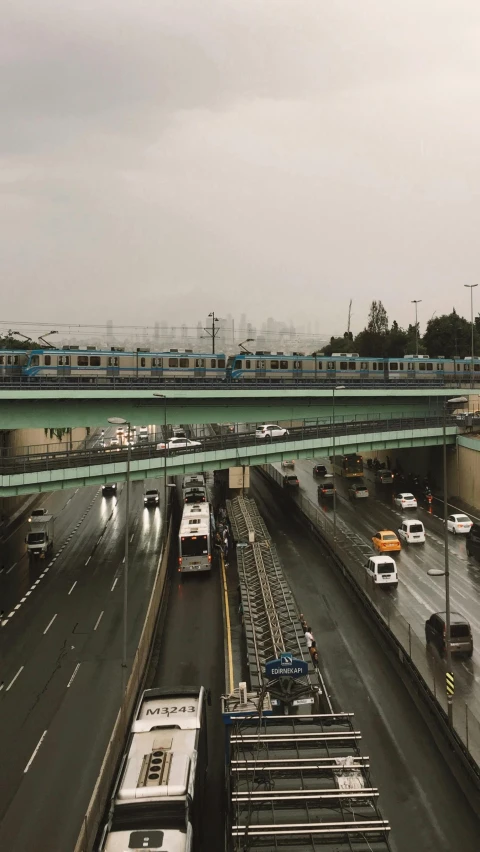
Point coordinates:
[[140, 469], [22, 409]]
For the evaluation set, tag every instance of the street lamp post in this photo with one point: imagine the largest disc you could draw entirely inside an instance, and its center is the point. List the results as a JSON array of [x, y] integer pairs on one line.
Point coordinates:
[[436, 572], [162, 396], [338, 387], [120, 421], [470, 287], [416, 302]]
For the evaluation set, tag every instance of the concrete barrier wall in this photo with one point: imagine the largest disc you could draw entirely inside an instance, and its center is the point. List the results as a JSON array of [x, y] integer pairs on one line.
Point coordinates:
[[99, 799]]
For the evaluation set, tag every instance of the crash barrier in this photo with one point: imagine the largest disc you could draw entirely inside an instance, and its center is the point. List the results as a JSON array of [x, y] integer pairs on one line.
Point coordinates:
[[98, 801], [350, 553]]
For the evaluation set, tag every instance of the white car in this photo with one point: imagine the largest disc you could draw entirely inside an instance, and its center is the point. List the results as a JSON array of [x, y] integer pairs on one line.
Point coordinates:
[[412, 531], [269, 431], [382, 570], [405, 500], [459, 524], [178, 444]]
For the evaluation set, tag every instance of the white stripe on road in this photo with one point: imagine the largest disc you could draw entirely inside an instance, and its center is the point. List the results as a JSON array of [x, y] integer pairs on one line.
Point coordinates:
[[71, 590], [73, 675], [88, 560], [14, 679], [114, 584], [11, 568], [98, 619], [50, 623], [131, 538], [35, 752]]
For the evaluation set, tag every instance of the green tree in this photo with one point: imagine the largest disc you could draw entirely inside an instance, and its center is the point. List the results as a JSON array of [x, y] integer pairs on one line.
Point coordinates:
[[377, 319], [9, 341], [450, 335], [396, 341], [339, 344]]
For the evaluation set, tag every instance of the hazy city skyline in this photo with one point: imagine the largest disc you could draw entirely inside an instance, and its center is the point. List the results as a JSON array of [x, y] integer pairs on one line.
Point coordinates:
[[169, 159]]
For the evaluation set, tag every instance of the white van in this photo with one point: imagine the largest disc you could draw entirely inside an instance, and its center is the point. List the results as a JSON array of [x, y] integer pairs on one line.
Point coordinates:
[[412, 531], [382, 570], [193, 480]]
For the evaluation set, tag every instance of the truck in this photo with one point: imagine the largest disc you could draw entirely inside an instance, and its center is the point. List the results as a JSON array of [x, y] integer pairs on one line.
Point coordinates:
[[39, 539]]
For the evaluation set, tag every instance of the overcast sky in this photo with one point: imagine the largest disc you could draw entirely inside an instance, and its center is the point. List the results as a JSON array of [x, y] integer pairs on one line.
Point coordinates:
[[163, 158]]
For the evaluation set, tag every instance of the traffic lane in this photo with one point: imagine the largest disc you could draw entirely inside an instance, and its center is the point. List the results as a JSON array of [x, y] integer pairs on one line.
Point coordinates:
[[419, 796], [418, 595], [53, 794], [189, 651], [94, 629], [20, 570]]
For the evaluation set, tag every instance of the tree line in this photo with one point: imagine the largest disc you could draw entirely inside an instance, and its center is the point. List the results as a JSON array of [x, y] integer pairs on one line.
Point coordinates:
[[448, 335]]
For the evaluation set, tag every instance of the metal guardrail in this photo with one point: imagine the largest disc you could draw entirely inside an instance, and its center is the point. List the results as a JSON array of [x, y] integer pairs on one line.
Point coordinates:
[[87, 457], [246, 521], [271, 618], [465, 722], [113, 383]]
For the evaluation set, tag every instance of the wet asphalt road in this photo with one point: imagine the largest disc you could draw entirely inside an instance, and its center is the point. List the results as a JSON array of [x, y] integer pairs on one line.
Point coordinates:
[[60, 659], [426, 809]]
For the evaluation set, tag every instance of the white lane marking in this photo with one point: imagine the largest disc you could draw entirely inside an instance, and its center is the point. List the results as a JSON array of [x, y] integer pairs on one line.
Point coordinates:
[[50, 623], [73, 675], [123, 560], [1, 570], [132, 537], [11, 568], [88, 560], [35, 752], [71, 590], [98, 619], [114, 584], [14, 679]]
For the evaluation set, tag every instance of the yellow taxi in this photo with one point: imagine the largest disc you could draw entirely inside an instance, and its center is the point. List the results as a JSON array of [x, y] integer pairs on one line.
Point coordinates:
[[385, 541]]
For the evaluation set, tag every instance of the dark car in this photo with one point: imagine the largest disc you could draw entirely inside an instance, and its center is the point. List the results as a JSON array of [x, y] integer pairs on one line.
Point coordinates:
[[461, 639], [325, 490], [384, 477], [109, 488], [473, 541], [290, 481], [319, 470]]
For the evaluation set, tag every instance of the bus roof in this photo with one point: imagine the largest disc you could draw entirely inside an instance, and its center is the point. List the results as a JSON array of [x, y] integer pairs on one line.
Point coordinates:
[[175, 840]]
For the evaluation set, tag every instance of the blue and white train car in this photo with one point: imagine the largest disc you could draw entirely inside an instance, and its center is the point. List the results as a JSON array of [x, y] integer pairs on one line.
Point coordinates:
[[12, 363], [92, 364]]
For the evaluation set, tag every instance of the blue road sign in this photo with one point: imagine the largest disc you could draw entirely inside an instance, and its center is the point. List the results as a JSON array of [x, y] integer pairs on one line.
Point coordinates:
[[286, 666]]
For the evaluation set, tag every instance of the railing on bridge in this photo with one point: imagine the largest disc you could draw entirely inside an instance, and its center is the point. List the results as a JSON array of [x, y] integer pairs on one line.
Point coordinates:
[[82, 456]]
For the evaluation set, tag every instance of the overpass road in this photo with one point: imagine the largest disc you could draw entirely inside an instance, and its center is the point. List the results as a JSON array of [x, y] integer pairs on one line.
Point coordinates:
[[60, 659], [418, 595], [418, 795]]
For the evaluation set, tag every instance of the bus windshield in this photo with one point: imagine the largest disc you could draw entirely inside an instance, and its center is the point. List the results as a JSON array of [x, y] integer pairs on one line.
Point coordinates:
[[196, 545]]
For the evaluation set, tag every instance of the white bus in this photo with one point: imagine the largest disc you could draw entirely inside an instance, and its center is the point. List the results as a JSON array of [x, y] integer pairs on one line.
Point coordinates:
[[195, 538], [159, 797]]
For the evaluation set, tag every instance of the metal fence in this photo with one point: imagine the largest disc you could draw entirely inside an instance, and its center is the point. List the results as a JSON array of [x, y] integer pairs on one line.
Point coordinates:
[[103, 383], [51, 458], [352, 552]]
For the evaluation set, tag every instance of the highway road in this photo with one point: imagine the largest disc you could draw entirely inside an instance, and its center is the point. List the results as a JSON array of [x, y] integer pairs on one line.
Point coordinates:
[[60, 658], [418, 595], [426, 809], [189, 651]]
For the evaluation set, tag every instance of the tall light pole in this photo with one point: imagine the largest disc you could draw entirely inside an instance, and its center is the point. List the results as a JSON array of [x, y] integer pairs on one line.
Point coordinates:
[[162, 396], [470, 287], [416, 302], [120, 421], [214, 331], [338, 387], [437, 572]]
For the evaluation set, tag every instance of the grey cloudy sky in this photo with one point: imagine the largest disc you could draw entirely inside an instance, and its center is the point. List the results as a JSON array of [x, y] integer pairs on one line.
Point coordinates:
[[161, 158]]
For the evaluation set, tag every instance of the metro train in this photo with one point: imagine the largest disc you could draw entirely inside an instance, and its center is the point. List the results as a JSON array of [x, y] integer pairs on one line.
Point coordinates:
[[103, 366]]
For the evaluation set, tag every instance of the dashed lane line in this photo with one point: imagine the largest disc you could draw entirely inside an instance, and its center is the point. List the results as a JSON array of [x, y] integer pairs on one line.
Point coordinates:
[[10, 615], [11, 567], [99, 619], [71, 590], [73, 675], [14, 679], [114, 584], [35, 752], [50, 623]]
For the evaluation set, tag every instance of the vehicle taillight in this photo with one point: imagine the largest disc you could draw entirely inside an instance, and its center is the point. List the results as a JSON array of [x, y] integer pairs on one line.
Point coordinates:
[[179, 560], [209, 557]]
